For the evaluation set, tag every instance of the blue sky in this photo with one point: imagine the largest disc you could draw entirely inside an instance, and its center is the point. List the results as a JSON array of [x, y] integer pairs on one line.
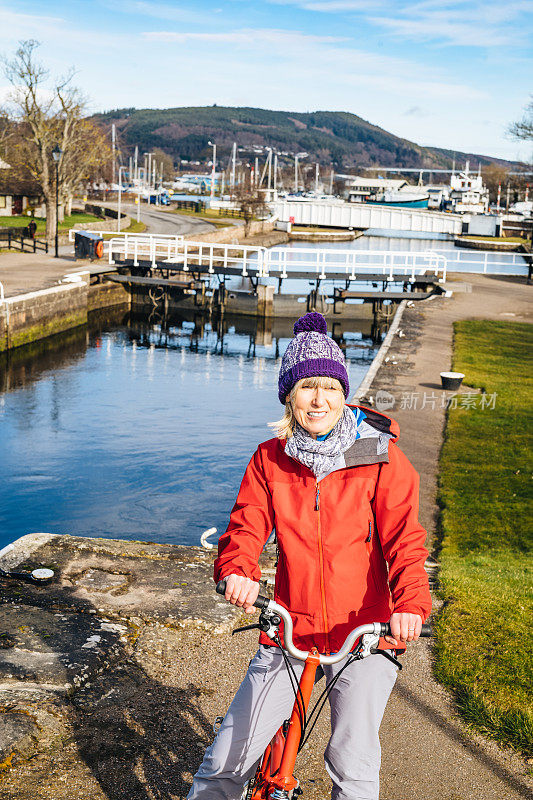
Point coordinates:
[[447, 73]]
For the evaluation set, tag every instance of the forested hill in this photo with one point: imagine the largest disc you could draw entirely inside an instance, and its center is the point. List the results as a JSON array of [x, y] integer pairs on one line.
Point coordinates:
[[335, 137]]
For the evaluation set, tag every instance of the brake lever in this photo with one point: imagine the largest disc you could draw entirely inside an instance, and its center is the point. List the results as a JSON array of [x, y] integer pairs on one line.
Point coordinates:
[[246, 628], [268, 623], [389, 656]]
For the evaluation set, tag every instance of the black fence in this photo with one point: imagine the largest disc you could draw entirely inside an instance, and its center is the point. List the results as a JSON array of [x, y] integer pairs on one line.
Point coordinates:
[[192, 205], [230, 212], [20, 239]]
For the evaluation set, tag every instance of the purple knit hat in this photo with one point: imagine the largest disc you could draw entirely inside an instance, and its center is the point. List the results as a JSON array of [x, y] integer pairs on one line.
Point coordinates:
[[310, 354]]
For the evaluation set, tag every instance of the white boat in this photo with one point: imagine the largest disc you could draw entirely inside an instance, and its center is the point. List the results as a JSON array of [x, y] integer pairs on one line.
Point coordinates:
[[401, 198], [468, 195]]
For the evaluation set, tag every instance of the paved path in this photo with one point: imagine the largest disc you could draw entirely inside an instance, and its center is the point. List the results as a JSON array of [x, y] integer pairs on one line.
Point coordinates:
[[427, 753], [29, 272], [165, 221]]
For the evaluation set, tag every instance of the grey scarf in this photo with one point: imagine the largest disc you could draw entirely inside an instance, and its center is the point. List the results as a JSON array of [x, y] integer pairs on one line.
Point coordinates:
[[322, 456]]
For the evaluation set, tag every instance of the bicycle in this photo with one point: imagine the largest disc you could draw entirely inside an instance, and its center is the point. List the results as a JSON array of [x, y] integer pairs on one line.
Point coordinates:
[[274, 778]]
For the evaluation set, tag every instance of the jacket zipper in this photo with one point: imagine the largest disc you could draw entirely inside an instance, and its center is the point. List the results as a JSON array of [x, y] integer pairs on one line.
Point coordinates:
[[369, 552], [321, 563]]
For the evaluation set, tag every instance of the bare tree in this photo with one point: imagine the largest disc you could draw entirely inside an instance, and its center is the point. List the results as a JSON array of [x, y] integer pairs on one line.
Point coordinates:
[[251, 204], [49, 115], [523, 129], [164, 164], [494, 176]]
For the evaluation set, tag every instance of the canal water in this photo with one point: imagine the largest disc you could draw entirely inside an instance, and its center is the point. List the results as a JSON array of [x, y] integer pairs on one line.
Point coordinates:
[[139, 430]]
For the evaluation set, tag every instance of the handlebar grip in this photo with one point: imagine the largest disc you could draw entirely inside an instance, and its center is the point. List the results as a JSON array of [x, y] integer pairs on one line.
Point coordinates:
[[261, 601], [427, 630]]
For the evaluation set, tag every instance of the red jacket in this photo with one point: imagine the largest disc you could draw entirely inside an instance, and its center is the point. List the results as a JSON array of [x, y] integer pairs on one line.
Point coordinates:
[[351, 549]]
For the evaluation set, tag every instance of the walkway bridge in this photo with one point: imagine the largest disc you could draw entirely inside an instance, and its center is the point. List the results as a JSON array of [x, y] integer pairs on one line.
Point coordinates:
[[208, 271], [363, 216]]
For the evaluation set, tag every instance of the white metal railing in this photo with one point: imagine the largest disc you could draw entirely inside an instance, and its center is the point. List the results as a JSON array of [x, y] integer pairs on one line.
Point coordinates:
[[126, 237], [125, 234], [144, 246], [279, 262], [353, 264], [3, 299], [184, 253], [484, 259]]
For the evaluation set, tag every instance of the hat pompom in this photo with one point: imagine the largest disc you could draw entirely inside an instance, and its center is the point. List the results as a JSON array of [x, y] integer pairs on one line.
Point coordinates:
[[313, 321]]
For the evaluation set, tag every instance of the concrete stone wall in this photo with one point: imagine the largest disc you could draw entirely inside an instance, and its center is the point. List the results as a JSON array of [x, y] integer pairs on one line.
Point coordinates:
[[233, 234], [106, 295], [33, 316]]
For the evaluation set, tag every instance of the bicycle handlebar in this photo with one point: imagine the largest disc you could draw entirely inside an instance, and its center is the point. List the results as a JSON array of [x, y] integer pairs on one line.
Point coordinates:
[[378, 628]]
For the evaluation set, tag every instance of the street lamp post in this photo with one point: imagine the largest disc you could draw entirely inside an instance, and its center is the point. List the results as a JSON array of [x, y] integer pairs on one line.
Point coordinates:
[[119, 197], [213, 169], [56, 155], [139, 193]]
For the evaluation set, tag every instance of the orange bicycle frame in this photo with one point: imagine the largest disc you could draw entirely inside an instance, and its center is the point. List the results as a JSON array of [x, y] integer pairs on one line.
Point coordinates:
[[276, 768]]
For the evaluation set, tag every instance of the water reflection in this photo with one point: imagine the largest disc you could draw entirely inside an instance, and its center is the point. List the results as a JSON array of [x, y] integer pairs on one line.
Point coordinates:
[[138, 430]]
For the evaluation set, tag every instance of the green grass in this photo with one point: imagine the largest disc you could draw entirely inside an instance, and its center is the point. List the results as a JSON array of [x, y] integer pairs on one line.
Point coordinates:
[[497, 239], [133, 227], [209, 215], [485, 641], [71, 221]]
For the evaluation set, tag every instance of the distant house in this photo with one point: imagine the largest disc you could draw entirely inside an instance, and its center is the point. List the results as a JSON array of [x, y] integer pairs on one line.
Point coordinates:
[[19, 194]]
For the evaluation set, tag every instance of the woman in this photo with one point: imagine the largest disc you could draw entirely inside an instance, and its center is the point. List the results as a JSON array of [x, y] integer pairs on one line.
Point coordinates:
[[343, 500]]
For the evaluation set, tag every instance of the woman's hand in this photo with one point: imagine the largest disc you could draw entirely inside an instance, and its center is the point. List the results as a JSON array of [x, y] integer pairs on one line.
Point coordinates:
[[241, 591], [405, 627]]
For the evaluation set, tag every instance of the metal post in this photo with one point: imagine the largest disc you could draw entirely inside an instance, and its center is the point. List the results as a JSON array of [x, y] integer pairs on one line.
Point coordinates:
[[57, 211], [119, 199], [212, 193], [138, 198], [113, 145], [233, 159]]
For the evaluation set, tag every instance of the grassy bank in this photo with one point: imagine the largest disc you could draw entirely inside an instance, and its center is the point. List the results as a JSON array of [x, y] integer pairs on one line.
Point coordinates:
[[485, 640], [208, 214], [133, 227], [496, 239], [70, 221]]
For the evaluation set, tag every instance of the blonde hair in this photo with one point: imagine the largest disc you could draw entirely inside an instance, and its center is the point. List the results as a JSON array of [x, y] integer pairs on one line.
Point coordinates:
[[283, 428]]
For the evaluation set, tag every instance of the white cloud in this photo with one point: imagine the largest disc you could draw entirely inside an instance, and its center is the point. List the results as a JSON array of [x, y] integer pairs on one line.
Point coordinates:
[[415, 111], [157, 10], [458, 23], [246, 36], [328, 6], [440, 29], [318, 58]]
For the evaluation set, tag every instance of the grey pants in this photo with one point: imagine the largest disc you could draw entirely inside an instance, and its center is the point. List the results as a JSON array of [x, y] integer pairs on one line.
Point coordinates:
[[265, 698]]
